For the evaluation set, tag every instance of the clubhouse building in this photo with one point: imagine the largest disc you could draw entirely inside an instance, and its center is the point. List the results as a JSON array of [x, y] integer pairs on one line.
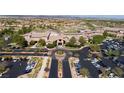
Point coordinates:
[[61, 38]]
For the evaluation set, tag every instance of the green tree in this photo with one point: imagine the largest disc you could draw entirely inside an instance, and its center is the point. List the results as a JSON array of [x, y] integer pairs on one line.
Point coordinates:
[[84, 72], [95, 48], [2, 43], [33, 42], [72, 40], [97, 39], [118, 71], [23, 43], [41, 42], [55, 43], [7, 58], [19, 40], [2, 68], [82, 40], [111, 53], [111, 35], [50, 45], [90, 26], [8, 31], [25, 30], [105, 34]]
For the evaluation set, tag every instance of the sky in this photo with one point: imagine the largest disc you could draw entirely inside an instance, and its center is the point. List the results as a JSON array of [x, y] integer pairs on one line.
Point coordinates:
[[61, 7]]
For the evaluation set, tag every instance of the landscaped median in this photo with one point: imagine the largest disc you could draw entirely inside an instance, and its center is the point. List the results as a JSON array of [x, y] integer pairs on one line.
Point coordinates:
[[45, 69], [72, 61], [60, 72]]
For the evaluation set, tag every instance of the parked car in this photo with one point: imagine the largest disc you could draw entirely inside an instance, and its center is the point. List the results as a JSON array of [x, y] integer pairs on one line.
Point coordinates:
[[29, 67]]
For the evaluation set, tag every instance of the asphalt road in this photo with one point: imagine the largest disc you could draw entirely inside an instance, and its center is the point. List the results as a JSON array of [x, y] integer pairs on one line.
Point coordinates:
[[66, 69], [54, 69]]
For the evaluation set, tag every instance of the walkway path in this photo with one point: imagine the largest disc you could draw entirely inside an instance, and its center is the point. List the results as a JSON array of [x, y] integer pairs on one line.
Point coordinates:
[[42, 70]]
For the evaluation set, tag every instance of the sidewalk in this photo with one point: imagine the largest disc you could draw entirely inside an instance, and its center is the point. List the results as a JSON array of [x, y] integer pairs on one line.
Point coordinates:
[[42, 70]]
